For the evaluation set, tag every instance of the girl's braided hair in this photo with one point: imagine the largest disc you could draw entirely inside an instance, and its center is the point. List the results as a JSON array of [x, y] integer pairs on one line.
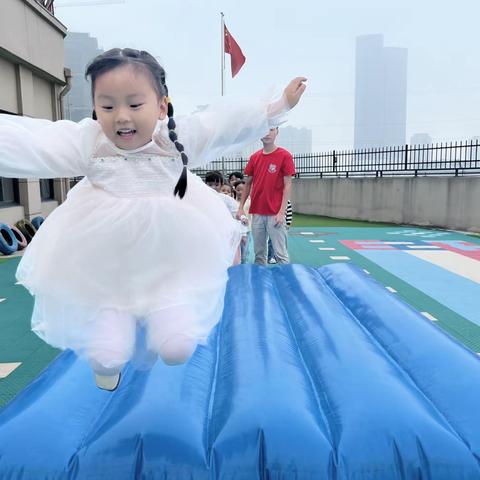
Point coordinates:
[[140, 59]]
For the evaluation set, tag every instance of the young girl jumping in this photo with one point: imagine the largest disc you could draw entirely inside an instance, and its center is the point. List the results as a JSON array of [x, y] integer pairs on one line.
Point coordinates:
[[140, 238]]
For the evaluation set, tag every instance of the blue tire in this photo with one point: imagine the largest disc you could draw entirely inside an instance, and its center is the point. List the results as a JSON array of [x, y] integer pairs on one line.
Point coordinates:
[[8, 241], [37, 221]]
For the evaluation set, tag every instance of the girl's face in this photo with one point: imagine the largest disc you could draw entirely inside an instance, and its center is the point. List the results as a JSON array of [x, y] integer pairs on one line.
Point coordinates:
[[226, 189], [127, 106], [239, 189]]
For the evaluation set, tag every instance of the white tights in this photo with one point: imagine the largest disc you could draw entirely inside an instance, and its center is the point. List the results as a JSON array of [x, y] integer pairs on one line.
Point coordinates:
[[113, 339], [166, 334]]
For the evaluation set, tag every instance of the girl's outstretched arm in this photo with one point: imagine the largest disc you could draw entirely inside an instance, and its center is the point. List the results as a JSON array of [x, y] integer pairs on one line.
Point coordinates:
[[44, 149], [226, 127], [294, 90]]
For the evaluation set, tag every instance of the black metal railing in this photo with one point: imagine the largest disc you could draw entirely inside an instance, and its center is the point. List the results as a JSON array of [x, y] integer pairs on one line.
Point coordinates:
[[454, 158], [47, 4]]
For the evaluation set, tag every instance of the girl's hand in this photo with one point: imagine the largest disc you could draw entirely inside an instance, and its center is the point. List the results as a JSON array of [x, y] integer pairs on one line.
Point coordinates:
[[294, 90], [240, 214]]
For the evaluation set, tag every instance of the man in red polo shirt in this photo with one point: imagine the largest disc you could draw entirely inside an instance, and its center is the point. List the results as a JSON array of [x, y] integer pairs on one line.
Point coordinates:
[[269, 183]]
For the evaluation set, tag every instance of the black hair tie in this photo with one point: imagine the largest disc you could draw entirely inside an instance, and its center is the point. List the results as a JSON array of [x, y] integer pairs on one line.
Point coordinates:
[[181, 186]]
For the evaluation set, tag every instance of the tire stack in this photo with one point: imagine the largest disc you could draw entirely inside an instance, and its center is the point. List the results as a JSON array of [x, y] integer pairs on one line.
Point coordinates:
[[18, 236]]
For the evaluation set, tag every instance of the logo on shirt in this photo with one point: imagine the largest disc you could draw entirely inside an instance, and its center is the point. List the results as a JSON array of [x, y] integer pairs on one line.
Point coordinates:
[[272, 168]]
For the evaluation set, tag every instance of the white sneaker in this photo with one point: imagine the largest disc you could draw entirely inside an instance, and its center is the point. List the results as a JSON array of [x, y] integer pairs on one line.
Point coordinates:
[[272, 260], [108, 382]]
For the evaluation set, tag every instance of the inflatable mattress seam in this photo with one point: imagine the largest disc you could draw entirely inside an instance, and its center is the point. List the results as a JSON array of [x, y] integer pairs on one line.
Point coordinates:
[[310, 375], [396, 361]]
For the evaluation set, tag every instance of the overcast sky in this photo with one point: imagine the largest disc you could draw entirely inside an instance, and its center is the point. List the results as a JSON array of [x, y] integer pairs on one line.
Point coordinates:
[[284, 38]]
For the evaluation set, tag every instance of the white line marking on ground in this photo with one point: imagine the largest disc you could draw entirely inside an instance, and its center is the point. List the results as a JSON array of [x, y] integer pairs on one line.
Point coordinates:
[[2, 300], [317, 241], [429, 316], [306, 233], [390, 289], [339, 258], [398, 243], [326, 248], [366, 271]]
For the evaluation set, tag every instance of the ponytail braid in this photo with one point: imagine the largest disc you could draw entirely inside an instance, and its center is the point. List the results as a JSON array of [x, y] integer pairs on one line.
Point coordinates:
[[181, 186]]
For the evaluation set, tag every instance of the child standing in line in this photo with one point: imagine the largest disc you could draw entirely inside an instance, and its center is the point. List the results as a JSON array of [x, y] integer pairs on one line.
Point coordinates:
[[247, 221], [140, 238], [234, 177], [226, 189], [214, 180]]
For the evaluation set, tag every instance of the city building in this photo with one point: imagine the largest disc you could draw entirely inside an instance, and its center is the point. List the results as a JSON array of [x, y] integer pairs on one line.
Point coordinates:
[[80, 49], [380, 93]]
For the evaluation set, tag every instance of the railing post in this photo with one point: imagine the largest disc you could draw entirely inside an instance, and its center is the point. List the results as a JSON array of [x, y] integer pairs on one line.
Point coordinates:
[[406, 157], [334, 161]]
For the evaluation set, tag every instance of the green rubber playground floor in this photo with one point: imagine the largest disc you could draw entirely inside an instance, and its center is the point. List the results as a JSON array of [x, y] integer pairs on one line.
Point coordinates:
[[312, 241], [17, 343]]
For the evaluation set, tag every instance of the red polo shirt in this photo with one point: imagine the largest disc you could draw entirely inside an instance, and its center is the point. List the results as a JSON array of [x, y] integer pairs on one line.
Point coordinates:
[[267, 171]]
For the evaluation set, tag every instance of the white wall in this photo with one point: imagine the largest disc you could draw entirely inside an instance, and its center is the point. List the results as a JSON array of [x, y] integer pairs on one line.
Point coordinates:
[[447, 202], [29, 32]]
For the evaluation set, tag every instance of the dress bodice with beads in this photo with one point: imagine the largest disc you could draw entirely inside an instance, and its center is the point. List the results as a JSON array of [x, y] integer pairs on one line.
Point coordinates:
[[147, 171]]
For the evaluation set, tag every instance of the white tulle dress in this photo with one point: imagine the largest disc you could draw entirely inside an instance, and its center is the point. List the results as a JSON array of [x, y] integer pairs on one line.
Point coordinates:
[[122, 241]]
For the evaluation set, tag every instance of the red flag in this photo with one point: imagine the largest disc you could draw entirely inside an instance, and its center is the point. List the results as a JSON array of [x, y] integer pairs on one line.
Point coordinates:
[[236, 55]]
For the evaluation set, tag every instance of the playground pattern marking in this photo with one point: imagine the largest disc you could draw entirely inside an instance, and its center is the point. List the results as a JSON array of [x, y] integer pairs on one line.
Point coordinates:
[[459, 257], [453, 262], [7, 368], [446, 270]]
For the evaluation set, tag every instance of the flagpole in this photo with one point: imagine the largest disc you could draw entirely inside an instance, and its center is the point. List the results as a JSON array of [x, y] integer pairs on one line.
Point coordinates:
[[222, 63]]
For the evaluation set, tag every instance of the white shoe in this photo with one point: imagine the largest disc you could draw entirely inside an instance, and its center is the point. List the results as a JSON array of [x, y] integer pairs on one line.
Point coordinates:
[[108, 382], [272, 260]]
